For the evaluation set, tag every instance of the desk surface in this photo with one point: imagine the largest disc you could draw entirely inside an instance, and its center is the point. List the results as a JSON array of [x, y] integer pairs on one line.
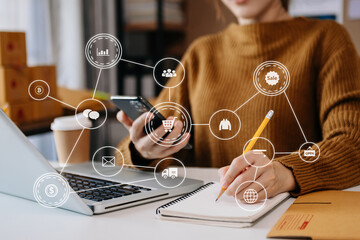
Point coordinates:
[[22, 219]]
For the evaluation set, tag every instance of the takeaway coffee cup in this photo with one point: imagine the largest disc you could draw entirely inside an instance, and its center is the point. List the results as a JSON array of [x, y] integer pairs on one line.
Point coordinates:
[[66, 132]]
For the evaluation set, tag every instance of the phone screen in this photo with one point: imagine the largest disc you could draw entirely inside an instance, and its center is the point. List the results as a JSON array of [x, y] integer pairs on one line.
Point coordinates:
[[134, 107]]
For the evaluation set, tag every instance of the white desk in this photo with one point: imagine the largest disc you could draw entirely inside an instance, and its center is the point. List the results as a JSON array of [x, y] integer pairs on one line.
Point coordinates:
[[22, 219]]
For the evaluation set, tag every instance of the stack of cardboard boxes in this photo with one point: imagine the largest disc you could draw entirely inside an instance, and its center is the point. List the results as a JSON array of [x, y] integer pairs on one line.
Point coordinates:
[[15, 78]]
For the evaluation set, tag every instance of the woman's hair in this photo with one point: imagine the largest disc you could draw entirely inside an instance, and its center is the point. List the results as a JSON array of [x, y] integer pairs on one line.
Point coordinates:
[[284, 3]]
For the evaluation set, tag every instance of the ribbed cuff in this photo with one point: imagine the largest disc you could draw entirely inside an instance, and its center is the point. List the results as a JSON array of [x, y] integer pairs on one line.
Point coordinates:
[[302, 171], [136, 158]]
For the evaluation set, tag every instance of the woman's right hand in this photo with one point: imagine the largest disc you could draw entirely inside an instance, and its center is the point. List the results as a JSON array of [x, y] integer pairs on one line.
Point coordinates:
[[147, 147]]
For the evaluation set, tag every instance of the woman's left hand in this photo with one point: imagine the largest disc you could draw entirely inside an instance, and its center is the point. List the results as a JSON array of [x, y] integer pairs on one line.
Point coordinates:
[[275, 177]]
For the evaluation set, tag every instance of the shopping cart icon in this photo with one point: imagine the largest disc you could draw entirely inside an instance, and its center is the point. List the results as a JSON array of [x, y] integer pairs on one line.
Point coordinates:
[[168, 124]]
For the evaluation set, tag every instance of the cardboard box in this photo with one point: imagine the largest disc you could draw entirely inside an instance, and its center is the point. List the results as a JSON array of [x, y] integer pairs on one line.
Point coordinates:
[[12, 49], [19, 112], [14, 85], [46, 109], [46, 73], [321, 215]]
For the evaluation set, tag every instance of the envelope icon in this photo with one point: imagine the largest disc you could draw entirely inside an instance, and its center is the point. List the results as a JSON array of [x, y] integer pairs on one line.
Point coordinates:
[[108, 161]]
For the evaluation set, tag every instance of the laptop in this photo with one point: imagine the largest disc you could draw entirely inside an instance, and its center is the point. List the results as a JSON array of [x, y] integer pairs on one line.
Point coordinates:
[[24, 172]]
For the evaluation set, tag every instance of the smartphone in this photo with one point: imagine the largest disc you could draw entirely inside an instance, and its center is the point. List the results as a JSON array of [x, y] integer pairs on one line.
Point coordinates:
[[134, 106]]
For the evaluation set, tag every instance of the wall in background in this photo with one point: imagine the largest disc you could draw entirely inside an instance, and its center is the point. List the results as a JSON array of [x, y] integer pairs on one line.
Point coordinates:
[[353, 26], [202, 20]]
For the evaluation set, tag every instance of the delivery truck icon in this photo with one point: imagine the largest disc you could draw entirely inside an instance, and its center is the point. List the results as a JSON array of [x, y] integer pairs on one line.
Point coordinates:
[[169, 172]]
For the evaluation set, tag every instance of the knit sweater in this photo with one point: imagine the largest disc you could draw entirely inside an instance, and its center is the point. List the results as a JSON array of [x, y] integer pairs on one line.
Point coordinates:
[[324, 93]]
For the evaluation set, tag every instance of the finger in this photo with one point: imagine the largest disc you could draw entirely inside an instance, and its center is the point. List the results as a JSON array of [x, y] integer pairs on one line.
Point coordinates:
[[152, 150], [222, 171], [184, 140], [124, 119], [256, 159], [146, 143], [253, 186], [236, 167], [136, 131], [159, 132], [247, 175], [265, 184], [173, 136], [261, 195]]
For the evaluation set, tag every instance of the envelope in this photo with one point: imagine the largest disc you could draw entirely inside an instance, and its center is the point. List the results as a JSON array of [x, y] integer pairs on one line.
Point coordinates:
[[321, 215], [108, 161]]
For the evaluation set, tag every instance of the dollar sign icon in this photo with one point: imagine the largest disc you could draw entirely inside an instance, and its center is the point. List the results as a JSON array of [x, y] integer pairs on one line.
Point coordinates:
[[51, 190], [39, 90]]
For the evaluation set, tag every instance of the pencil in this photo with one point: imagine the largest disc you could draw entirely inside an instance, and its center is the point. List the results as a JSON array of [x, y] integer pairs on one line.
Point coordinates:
[[252, 142]]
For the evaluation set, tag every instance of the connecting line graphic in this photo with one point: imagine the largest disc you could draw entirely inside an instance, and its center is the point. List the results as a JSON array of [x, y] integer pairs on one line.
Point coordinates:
[[92, 189], [169, 96], [144, 65], [256, 169], [97, 82], [246, 102], [295, 117], [285, 153], [72, 150], [93, 97], [128, 165], [61, 102]]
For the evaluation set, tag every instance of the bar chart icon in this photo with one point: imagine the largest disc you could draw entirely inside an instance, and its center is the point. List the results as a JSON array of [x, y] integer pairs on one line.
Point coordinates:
[[102, 53]]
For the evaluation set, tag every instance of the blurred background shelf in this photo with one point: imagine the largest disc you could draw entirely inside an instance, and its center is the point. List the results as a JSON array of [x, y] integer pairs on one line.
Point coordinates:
[[153, 27]]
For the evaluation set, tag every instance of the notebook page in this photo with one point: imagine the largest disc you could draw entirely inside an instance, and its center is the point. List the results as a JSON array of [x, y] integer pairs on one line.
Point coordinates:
[[202, 205]]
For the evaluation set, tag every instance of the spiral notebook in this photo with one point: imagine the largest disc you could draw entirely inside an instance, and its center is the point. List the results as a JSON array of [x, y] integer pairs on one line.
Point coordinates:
[[200, 207]]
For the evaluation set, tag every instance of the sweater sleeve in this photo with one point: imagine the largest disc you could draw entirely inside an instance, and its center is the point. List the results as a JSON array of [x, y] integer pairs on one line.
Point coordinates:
[[178, 95], [338, 97]]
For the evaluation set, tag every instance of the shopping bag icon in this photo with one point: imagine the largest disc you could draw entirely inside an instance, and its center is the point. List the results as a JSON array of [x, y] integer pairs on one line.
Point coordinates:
[[108, 161]]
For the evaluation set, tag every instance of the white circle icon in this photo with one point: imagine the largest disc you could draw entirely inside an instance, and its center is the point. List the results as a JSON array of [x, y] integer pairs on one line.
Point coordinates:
[[91, 114], [166, 138], [250, 196], [104, 161], [224, 124], [172, 175], [271, 78], [263, 147], [166, 69], [51, 190], [309, 152], [103, 51], [39, 90]]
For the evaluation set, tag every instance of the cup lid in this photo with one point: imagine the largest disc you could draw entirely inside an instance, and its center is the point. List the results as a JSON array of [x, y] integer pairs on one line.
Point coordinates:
[[69, 123]]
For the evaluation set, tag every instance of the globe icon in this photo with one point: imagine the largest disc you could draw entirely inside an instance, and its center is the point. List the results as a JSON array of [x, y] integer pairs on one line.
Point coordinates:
[[250, 196]]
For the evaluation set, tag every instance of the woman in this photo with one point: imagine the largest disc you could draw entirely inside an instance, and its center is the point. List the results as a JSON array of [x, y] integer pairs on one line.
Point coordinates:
[[324, 93]]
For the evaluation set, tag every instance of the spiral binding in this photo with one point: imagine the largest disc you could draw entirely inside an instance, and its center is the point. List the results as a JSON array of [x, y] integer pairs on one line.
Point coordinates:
[[183, 197]]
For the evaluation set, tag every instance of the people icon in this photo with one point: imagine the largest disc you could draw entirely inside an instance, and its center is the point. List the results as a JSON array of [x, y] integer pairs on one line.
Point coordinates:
[[169, 73], [225, 125]]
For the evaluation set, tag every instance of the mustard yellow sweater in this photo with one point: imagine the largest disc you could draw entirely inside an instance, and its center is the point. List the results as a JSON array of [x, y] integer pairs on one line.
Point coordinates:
[[324, 92]]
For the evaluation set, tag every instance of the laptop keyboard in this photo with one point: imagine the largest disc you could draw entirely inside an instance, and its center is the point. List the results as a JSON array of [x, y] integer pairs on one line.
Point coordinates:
[[99, 190]]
